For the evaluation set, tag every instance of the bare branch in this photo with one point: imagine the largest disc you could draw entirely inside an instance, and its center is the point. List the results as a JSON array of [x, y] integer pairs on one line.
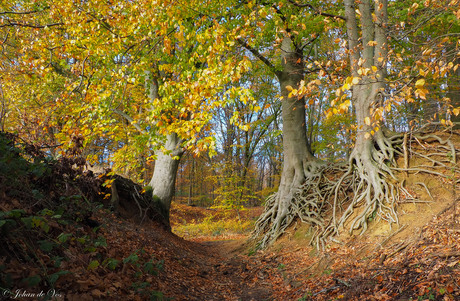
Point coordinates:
[[129, 119], [317, 11], [14, 23], [258, 55], [17, 13]]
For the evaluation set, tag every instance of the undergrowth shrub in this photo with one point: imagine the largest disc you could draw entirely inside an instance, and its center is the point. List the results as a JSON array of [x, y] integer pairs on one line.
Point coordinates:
[[211, 226]]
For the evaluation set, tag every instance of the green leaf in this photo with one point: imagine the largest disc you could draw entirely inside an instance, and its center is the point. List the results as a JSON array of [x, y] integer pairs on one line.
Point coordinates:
[[45, 245], [16, 213], [100, 242], [93, 265], [10, 222], [111, 263], [32, 280], [131, 258], [63, 237], [46, 211], [57, 261], [27, 221], [150, 268], [54, 277]]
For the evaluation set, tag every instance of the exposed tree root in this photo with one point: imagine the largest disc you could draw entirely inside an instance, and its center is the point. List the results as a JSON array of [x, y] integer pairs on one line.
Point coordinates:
[[374, 188], [368, 188], [306, 202]]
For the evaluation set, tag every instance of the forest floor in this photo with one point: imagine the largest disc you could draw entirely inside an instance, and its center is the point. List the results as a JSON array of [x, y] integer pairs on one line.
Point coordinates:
[[69, 250], [418, 261]]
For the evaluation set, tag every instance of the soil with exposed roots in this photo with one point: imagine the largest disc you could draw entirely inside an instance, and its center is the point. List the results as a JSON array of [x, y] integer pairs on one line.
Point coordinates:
[[345, 197]]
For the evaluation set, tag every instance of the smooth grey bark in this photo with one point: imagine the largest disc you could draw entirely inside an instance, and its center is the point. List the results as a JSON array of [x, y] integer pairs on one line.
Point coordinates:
[[298, 160], [164, 175], [369, 91], [296, 148], [454, 93], [371, 153], [167, 160]]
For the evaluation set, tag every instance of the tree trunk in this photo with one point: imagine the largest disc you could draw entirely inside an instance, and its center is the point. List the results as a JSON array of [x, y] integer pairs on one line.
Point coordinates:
[[454, 93], [373, 150], [191, 182], [295, 144], [164, 175], [167, 162], [296, 148]]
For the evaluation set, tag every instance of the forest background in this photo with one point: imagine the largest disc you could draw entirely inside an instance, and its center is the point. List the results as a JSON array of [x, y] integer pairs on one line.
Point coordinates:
[[207, 99]]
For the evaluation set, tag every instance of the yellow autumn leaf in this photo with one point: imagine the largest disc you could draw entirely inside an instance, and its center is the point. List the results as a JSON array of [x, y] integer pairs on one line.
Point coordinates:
[[292, 93], [374, 69], [371, 43], [367, 121], [355, 80], [421, 93], [427, 51], [367, 135], [456, 111], [420, 83]]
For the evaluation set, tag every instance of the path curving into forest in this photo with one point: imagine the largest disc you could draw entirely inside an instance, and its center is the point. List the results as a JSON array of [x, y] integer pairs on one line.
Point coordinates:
[[238, 269]]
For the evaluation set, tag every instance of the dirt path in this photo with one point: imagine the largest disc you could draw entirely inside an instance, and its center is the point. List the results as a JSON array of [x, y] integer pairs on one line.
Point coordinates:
[[238, 269]]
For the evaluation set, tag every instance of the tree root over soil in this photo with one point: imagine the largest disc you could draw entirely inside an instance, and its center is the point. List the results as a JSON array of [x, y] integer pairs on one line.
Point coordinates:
[[338, 196], [306, 201]]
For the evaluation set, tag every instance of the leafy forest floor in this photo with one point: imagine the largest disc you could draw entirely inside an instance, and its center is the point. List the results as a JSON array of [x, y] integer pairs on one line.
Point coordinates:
[[58, 240]]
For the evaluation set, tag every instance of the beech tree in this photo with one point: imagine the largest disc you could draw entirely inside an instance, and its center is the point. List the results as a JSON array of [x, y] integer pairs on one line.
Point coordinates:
[[371, 174], [152, 72], [373, 158], [283, 45]]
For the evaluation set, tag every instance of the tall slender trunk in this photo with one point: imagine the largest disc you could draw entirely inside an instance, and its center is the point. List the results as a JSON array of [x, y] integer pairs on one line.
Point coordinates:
[[296, 147], [372, 148], [167, 161], [454, 93], [297, 154], [164, 175], [190, 184]]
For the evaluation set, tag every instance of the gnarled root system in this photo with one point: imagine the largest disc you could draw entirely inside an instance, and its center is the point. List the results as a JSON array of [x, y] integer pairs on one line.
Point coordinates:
[[348, 196]]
